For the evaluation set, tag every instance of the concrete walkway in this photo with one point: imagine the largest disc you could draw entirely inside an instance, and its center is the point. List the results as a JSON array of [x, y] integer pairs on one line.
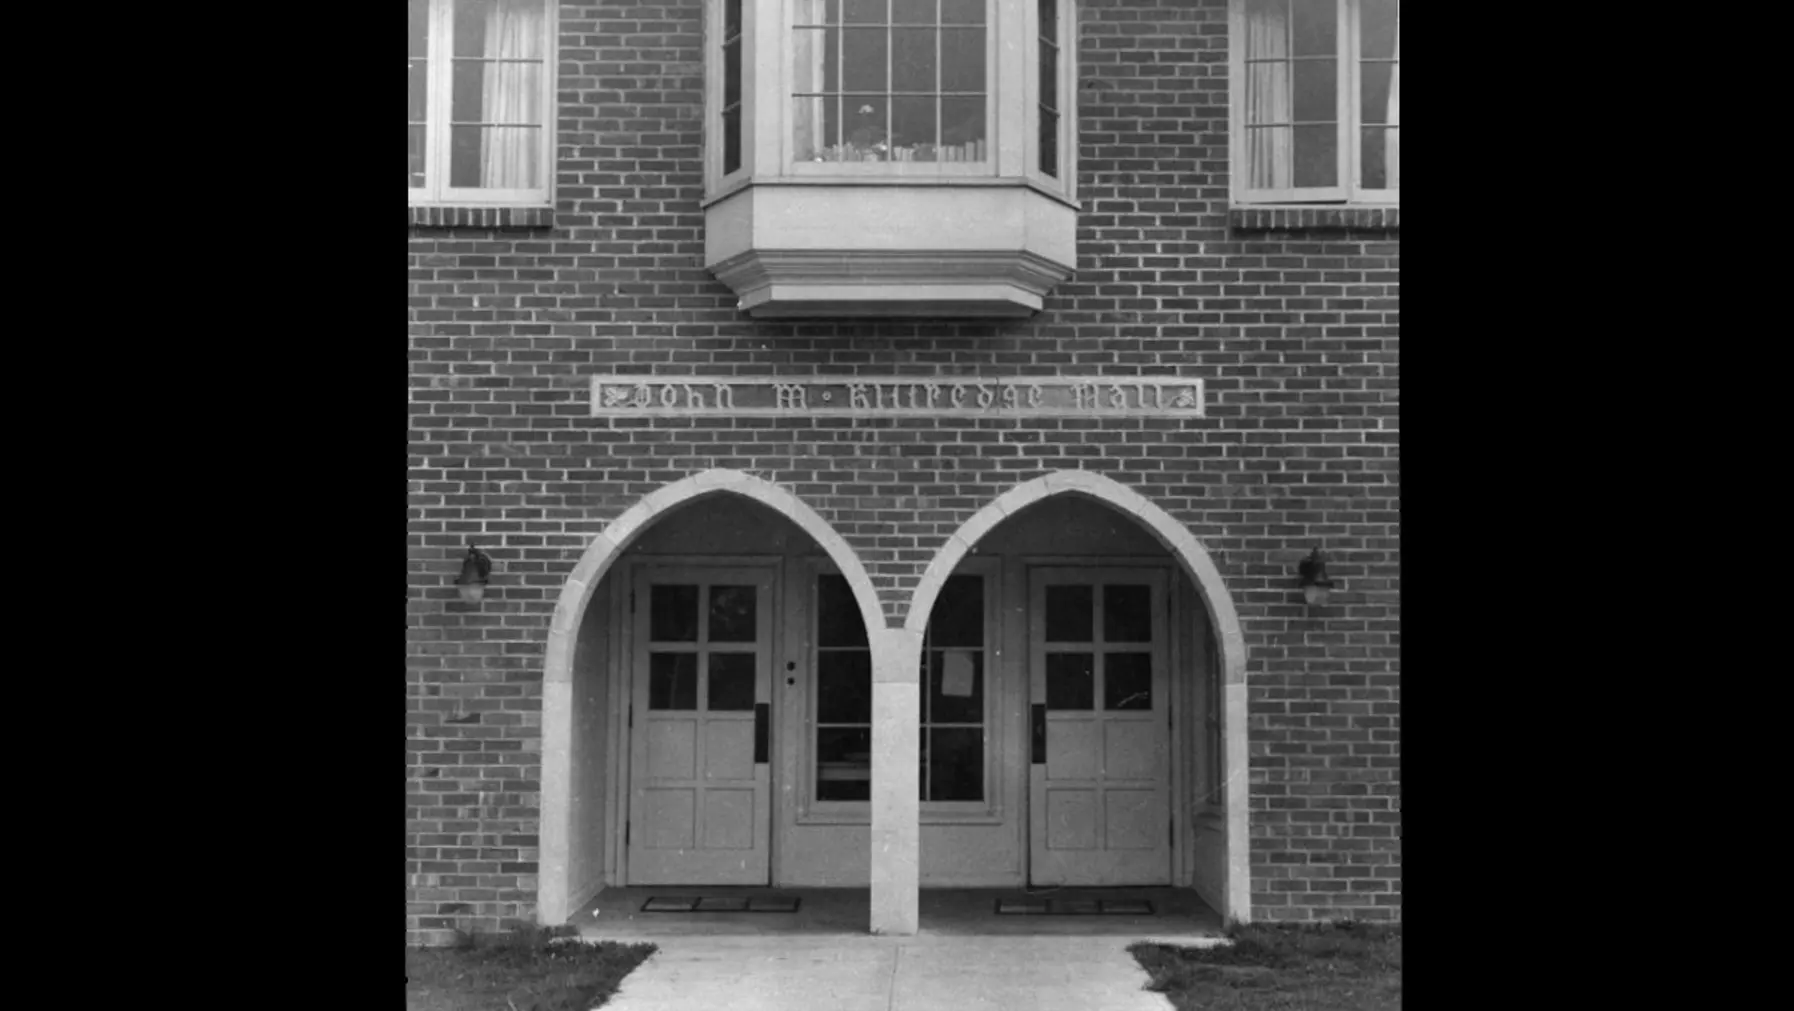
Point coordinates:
[[866, 973]]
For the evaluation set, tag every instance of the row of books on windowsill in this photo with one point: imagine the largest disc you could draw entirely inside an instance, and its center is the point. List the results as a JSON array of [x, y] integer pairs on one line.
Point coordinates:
[[972, 151]]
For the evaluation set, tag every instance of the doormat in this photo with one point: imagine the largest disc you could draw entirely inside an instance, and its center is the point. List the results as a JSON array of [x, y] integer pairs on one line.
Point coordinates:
[[1075, 907], [722, 904]]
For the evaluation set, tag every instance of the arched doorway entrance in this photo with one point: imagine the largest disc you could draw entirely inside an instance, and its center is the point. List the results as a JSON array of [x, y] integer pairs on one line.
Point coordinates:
[[633, 694]]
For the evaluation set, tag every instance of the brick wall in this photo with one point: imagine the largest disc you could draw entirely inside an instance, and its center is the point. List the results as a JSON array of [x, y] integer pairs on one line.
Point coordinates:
[[1295, 331]]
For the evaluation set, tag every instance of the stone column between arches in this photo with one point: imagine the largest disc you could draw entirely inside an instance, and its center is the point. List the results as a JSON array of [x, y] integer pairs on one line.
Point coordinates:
[[896, 807]]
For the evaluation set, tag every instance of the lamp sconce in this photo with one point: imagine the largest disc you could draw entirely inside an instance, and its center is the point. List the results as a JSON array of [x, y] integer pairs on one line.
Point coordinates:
[[474, 570], [1315, 584]]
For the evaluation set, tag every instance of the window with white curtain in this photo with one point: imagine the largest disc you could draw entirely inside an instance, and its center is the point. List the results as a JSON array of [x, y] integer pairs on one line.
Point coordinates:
[[480, 102], [1317, 101]]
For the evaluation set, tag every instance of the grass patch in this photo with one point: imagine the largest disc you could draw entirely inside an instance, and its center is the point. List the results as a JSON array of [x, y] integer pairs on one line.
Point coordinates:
[[1340, 966], [518, 971]]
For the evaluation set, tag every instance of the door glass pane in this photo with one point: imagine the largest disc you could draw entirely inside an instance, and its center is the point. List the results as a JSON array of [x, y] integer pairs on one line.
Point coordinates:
[[1127, 614], [1070, 681], [1068, 614], [958, 615], [673, 681], [673, 613], [731, 682], [1127, 681], [844, 763], [956, 686], [732, 614], [844, 687], [838, 621], [956, 763]]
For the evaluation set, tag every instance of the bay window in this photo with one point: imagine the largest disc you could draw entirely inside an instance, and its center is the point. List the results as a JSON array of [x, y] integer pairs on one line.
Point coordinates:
[[890, 157], [1317, 101], [479, 102]]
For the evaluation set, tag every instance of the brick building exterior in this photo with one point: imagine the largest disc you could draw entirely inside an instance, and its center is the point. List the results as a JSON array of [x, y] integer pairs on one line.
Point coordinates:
[[1280, 774]]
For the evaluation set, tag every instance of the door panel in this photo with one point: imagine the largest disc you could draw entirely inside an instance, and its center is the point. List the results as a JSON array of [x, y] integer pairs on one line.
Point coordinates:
[[700, 789], [1099, 785]]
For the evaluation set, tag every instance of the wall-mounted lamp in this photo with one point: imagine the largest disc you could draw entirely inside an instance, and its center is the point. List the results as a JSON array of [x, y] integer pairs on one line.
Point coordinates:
[[1315, 584], [474, 570]]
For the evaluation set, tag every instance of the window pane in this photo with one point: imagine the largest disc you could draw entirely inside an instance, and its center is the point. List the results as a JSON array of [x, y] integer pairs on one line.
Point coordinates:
[[1049, 143], [511, 29], [731, 17], [731, 73], [507, 93], [866, 11], [1049, 76], [673, 681], [414, 156], [962, 60], [1127, 614], [838, 620], [1070, 681], [863, 59], [1378, 28], [956, 687], [417, 35], [912, 60], [1068, 614], [417, 91], [1317, 156], [817, 12], [962, 12], [1127, 681], [962, 129], [913, 128], [1049, 18], [958, 615], [843, 763], [673, 613], [1269, 158], [865, 133], [731, 141], [844, 687], [814, 136], [1381, 159], [1317, 82], [956, 764], [1314, 27], [913, 12], [1377, 80], [731, 682], [1267, 94], [732, 617]]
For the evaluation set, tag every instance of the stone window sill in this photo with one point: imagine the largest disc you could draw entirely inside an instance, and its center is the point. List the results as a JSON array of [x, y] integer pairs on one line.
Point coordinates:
[[447, 216], [1266, 218]]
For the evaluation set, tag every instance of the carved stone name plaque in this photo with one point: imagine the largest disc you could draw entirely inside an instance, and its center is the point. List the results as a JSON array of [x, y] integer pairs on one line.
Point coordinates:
[[882, 396]]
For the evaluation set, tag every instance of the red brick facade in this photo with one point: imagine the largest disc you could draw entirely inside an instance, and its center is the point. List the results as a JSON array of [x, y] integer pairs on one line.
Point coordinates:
[[1292, 323]]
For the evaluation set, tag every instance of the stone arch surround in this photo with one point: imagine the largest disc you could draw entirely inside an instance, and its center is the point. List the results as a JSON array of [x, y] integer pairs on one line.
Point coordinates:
[[1223, 618], [553, 898]]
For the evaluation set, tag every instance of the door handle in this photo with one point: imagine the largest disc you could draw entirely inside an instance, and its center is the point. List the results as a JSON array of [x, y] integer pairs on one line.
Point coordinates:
[[1039, 733], [762, 713]]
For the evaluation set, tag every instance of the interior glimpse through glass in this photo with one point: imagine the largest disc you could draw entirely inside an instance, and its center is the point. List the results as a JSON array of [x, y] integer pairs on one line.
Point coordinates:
[[889, 81]]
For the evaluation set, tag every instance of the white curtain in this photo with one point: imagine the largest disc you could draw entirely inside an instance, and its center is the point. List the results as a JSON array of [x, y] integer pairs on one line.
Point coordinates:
[[807, 78], [1392, 137], [1269, 153], [511, 157]]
